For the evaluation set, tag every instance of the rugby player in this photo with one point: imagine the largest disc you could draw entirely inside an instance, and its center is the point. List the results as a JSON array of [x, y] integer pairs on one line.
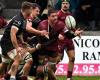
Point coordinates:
[[57, 30], [32, 40], [11, 45], [51, 45], [67, 42]]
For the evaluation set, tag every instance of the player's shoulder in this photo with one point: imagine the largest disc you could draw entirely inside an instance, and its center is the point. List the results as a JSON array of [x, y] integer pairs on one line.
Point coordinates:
[[59, 12], [44, 22], [60, 22], [17, 20], [18, 17]]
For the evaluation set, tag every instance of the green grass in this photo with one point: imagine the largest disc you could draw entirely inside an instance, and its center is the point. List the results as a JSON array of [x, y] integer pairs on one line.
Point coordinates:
[[80, 78], [76, 78]]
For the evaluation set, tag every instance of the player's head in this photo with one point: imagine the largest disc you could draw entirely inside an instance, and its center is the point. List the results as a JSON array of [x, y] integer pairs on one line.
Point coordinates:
[[26, 8], [35, 10], [65, 5], [52, 15]]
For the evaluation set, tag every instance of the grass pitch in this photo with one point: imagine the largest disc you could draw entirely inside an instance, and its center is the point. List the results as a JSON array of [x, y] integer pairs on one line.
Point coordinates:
[[80, 78]]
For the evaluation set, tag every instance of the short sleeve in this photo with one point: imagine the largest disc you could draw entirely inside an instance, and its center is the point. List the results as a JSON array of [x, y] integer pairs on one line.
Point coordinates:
[[16, 23]]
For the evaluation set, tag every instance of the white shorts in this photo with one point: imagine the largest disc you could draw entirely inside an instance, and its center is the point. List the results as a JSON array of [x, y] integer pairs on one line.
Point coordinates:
[[12, 54]]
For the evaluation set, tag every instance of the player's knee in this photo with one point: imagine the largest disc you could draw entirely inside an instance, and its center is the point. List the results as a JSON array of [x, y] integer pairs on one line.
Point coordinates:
[[14, 66], [47, 70], [30, 61], [16, 62], [52, 66], [17, 59], [72, 59]]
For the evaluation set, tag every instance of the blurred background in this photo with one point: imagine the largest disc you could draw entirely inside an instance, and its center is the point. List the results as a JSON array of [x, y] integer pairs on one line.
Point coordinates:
[[86, 12], [87, 15]]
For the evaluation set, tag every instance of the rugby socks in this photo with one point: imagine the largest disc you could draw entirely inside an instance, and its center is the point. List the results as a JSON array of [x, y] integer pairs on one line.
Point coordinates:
[[12, 78], [69, 79], [69, 74]]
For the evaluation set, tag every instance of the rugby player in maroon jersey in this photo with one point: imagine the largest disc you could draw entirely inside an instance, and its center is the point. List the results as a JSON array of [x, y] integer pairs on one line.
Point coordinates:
[[57, 30], [67, 43]]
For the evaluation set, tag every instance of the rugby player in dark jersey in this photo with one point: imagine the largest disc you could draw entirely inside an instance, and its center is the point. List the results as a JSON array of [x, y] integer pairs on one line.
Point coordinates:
[[67, 43], [12, 47], [31, 40]]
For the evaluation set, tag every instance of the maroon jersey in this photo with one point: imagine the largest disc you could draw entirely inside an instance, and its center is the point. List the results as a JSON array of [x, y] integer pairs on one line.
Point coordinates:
[[66, 43], [62, 15], [56, 29]]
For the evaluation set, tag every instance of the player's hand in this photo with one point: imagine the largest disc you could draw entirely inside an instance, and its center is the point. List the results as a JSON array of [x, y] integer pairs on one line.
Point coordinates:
[[44, 33], [19, 50], [24, 44], [78, 32], [38, 46], [61, 37]]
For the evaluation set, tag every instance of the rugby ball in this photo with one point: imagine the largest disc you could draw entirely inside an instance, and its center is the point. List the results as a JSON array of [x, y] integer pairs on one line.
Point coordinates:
[[70, 22]]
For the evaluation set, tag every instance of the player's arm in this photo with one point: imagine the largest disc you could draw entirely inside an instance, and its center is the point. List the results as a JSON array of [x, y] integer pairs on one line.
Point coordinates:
[[13, 32], [70, 34], [14, 29], [33, 49], [30, 29]]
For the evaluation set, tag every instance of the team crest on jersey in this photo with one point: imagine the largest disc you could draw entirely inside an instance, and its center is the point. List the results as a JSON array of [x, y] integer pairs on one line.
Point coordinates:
[[17, 22]]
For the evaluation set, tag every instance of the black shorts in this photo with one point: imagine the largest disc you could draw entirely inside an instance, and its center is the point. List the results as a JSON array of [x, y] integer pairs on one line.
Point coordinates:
[[48, 53], [6, 46]]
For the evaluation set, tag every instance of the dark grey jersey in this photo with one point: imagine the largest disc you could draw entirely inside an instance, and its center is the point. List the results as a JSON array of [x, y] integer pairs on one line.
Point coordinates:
[[20, 23]]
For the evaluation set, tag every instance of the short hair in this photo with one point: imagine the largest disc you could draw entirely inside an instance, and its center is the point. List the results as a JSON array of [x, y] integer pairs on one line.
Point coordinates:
[[51, 10], [26, 5], [35, 5]]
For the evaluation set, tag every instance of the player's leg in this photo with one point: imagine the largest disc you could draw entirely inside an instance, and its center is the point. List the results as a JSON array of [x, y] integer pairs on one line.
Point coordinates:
[[42, 70], [3, 65], [70, 50], [14, 67], [52, 65], [71, 56], [51, 75], [2, 69], [40, 73], [28, 63], [45, 70]]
